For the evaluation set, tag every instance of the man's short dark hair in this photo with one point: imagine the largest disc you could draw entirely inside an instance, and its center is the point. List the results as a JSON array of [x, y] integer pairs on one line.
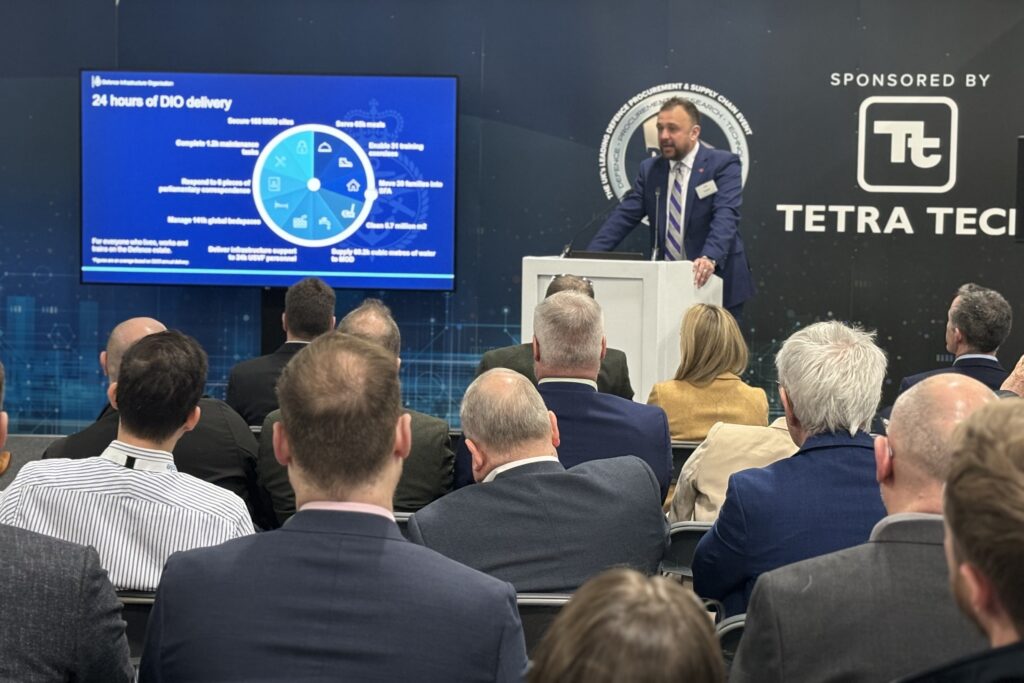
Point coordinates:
[[690, 107], [309, 308], [570, 283], [983, 317], [372, 321], [340, 400], [160, 381]]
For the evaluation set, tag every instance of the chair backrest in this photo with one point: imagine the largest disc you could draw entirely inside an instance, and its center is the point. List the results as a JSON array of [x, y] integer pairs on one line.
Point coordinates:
[[729, 632], [402, 518], [681, 452], [537, 611], [683, 540], [135, 609], [24, 448]]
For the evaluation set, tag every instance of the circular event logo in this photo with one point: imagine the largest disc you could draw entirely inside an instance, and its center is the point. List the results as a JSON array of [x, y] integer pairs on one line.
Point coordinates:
[[644, 106]]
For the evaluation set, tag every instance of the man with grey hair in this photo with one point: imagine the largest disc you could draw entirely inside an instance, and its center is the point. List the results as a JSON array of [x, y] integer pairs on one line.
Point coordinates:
[[901, 565], [530, 521], [822, 499], [568, 345], [977, 324]]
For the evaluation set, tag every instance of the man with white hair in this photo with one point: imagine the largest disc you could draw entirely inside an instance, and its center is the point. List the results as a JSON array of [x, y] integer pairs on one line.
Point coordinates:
[[822, 499], [568, 345], [530, 521]]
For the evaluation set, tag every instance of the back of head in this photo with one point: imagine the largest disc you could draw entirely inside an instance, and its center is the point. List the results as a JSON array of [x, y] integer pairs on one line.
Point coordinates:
[[160, 382], [710, 343], [623, 626], [569, 327], [984, 500], [340, 400], [502, 411], [372, 321], [983, 317], [570, 283], [832, 374], [309, 308], [924, 417], [123, 336]]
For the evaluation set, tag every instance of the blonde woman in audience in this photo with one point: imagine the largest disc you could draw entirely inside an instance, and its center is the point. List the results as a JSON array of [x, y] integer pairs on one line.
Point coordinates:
[[623, 626], [707, 388]]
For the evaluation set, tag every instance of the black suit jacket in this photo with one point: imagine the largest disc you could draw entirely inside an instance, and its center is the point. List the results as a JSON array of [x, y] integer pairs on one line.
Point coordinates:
[[220, 450], [251, 384], [548, 529], [331, 596], [991, 373], [613, 378], [1003, 665], [426, 473]]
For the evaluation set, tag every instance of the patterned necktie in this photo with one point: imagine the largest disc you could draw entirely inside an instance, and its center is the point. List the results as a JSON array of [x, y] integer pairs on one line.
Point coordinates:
[[674, 230]]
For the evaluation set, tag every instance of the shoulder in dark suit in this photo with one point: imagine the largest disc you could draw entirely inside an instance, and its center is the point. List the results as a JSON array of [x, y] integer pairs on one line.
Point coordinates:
[[612, 379], [1000, 665], [331, 595], [880, 610], [711, 223], [220, 450], [989, 372], [822, 499], [426, 474], [60, 618], [592, 425], [252, 382], [548, 529]]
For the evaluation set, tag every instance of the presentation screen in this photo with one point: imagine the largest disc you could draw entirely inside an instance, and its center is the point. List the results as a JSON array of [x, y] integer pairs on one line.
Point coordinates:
[[250, 179]]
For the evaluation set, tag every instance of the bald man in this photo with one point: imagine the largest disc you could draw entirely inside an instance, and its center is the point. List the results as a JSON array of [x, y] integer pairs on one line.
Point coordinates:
[[220, 450], [881, 610]]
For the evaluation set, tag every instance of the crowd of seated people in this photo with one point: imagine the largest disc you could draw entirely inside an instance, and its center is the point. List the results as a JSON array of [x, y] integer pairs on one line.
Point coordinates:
[[853, 555]]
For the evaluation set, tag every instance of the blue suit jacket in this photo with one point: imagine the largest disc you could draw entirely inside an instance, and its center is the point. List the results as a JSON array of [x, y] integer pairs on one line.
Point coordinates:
[[593, 426], [824, 498], [991, 373], [711, 224], [330, 596]]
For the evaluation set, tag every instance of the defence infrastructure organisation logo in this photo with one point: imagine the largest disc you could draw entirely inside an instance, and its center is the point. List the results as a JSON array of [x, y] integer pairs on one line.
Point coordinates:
[[638, 115]]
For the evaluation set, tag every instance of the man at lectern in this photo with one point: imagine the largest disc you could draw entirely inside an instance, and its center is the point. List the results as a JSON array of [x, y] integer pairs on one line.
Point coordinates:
[[691, 194]]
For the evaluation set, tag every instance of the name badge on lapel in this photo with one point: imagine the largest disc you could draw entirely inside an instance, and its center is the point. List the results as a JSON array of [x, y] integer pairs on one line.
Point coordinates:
[[706, 189]]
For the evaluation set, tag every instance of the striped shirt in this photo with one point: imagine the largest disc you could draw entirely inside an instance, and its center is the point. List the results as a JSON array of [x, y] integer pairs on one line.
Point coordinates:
[[129, 503]]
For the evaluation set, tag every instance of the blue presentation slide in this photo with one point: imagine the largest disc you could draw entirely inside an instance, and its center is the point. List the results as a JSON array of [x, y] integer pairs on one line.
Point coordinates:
[[250, 179]]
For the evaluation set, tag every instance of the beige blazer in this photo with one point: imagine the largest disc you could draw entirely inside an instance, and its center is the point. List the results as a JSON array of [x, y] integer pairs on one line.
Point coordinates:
[[692, 410], [728, 448]]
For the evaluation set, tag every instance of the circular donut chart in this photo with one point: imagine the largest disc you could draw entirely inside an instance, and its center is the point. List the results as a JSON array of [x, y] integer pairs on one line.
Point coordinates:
[[313, 185]]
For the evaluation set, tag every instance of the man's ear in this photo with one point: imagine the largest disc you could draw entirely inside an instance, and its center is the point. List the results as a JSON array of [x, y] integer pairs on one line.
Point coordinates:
[[112, 394], [3, 428], [536, 349], [103, 363], [787, 408], [284, 323], [604, 346], [981, 595], [478, 459], [883, 459], [403, 436], [193, 419], [555, 439], [282, 449]]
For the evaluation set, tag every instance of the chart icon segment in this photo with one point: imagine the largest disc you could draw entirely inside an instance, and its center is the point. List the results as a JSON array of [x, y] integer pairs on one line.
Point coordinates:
[[313, 185]]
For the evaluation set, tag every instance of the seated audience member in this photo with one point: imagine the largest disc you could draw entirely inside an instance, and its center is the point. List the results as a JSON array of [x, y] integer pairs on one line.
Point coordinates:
[[220, 449], [613, 377], [60, 619], [337, 593], [1013, 385], [880, 610], [568, 344], [822, 499], [977, 324], [531, 521], [727, 449], [427, 472], [707, 387], [984, 511], [130, 502], [623, 626], [308, 313]]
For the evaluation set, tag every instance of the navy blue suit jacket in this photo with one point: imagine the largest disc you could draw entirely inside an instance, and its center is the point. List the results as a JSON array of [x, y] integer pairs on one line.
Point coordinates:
[[330, 596], [823, 499], [711, 224], [991, 373], [593, 426]]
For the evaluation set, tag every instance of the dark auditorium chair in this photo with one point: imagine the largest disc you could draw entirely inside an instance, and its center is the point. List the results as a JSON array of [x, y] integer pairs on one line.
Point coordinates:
[[537, 611], [683, 540], [681, 452], [729, 633], [402, 518], [135, 609]]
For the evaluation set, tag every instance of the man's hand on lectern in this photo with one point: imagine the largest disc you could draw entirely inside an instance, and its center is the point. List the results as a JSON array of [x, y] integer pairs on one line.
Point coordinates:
[[703, 268]]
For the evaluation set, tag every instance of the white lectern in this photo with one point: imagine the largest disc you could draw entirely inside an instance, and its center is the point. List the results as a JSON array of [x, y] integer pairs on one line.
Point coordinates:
[[643, 304]]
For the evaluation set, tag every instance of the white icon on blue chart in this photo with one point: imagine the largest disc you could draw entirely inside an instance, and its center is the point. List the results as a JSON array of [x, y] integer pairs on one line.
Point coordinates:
[[314, 199]]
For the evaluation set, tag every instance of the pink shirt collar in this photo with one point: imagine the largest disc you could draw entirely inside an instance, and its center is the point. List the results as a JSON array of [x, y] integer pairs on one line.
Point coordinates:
[[338, 506]]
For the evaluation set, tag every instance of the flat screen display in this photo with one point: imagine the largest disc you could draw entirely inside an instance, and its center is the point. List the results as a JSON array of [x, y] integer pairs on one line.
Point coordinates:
[[259, 180]]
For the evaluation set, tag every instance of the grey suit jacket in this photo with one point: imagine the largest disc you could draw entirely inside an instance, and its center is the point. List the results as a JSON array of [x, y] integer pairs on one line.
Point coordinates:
[[613, 378], [548, 529], [873, 612], [59, 616]]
